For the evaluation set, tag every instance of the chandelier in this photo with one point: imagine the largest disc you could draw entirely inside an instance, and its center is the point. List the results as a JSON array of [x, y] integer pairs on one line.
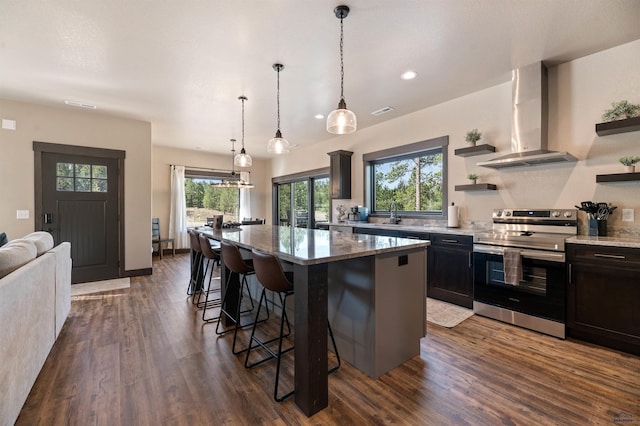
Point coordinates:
[[234, 180]]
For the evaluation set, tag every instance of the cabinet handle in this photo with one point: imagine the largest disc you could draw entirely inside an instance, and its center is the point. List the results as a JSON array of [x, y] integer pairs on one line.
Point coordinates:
[[450, 241], [609, 256], [569, 273], [470, 261]]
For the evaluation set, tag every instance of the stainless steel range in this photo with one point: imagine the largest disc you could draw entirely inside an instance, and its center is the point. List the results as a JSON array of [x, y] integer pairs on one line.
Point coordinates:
[[519, 268]]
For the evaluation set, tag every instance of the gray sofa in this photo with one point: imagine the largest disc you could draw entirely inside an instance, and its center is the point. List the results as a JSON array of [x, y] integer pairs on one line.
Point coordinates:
[[35, 300]]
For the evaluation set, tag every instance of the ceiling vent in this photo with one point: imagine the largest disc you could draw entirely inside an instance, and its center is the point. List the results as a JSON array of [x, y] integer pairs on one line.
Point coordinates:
[[382, 110]]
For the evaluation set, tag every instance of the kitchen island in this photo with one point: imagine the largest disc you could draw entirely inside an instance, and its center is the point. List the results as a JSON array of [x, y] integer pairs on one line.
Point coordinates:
[[368, 266]]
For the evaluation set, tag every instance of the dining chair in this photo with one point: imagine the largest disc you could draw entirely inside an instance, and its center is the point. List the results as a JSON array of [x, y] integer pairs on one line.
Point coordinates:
[[157, 239]]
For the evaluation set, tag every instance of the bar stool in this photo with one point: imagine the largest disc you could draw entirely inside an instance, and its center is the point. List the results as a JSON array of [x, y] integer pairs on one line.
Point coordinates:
[[212, 256], [195, 285], [237, 265], [272, 277]]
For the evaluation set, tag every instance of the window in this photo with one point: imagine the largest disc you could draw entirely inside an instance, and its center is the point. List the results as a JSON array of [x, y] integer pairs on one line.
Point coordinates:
[[204, 201], [414, 176], [72, 177], [297, 195]]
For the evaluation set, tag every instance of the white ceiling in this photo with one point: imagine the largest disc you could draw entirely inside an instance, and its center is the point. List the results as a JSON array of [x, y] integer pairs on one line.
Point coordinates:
[[181, 65]]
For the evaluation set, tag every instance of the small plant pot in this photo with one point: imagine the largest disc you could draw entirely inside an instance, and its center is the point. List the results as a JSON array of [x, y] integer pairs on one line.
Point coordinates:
[[473, 181], [630, 169]]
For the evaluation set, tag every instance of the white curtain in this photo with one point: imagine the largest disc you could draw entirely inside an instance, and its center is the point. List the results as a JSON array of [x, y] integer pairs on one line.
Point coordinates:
[[178, 215], [245, 197]]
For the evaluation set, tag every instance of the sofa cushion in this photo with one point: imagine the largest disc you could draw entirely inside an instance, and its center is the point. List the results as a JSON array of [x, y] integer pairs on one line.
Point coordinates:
[[43, 241], [3, 239], [15, 254]]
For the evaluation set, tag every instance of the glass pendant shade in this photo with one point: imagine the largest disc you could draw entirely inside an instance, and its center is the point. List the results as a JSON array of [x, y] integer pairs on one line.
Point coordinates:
[[243, 159], [341, 121], [278, 144], [234, 180]]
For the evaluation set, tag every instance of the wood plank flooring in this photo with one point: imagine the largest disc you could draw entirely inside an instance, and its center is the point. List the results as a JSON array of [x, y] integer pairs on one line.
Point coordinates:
[[142, 356]]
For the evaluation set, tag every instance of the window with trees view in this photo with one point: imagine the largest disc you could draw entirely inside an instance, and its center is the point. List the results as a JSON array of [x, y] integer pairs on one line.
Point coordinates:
[[297, 195], [205, 201], [414, 176]]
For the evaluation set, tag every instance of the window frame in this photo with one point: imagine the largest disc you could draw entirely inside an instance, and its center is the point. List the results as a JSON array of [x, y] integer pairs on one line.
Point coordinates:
[[404, 152], [211, 174], [308, 176]]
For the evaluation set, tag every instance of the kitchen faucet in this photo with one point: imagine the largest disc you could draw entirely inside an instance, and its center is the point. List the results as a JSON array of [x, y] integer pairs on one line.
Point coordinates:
[[393, 212]]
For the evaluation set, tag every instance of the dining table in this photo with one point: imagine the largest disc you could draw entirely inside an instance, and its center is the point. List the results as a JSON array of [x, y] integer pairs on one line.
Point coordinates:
[[310, 252]]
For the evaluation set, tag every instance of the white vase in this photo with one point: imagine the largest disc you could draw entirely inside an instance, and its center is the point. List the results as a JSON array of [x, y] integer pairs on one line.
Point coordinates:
[[630, 169]]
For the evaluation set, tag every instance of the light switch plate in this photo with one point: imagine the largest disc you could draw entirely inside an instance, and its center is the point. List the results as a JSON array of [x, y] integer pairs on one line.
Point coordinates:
[[22, 214], [627, 215]]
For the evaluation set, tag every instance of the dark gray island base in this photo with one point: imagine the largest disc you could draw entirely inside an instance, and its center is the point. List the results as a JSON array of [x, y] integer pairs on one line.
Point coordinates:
[[363, 276]]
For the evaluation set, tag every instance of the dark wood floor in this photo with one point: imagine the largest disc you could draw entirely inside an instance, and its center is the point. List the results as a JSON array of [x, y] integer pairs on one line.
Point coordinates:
[[141, 356]]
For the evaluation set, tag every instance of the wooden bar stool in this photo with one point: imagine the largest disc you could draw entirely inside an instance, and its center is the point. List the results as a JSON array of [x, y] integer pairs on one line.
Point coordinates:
[[272, 277], [233, 260], [212, 256]]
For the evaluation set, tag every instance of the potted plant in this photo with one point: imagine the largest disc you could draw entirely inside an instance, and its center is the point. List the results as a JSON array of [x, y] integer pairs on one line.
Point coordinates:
[[473, 136], [629, 163], [621, 110], [472, 177]]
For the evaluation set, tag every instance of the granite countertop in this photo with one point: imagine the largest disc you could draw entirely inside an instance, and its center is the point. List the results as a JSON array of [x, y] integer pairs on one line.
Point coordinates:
[[414, 228], [604, 241], [310, 246]]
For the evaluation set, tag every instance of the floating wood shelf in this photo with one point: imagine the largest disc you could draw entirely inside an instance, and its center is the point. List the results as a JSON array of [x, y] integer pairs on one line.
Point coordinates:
[[478, 187], [475, 150], [618, 126], [618, 177]]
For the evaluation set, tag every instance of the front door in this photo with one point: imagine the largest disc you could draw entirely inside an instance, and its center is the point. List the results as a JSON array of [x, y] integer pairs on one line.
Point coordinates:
[[80, 204]]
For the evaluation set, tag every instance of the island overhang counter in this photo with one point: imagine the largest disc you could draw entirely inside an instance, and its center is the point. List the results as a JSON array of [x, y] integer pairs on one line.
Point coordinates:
[[375, 286]]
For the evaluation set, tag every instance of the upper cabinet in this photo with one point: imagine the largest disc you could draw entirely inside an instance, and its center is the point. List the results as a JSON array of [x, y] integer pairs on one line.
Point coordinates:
[[340, 174], [618, 126]]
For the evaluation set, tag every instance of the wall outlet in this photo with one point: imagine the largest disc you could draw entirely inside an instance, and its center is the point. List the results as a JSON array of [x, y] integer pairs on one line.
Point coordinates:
[[22, 214], [627, 215]]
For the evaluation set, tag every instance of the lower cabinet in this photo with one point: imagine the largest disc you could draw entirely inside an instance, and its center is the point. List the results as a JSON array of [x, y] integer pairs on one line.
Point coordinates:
[[603, 296], [450, 269]]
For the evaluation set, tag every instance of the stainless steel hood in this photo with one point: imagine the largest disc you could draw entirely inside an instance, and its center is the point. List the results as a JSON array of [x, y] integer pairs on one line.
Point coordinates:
[[529, 122]]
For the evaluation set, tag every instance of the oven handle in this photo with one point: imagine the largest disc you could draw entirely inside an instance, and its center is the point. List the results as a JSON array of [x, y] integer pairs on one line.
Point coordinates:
[[530, 254]]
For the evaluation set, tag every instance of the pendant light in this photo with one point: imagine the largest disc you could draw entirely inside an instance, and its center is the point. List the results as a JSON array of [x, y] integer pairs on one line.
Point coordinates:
[[278, 144], [234, 181], [243, 159], [341, 121]]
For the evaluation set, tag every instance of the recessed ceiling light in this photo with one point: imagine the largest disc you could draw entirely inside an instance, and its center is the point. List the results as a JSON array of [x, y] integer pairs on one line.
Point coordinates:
[[80, 104], [319, 116], [409, 75]]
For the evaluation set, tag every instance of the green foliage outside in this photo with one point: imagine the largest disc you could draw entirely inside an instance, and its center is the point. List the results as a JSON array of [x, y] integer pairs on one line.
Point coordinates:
[[414, 184], [204, 201]]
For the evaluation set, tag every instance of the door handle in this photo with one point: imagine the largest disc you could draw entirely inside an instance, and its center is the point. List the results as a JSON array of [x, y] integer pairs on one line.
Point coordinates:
[[48, 218]]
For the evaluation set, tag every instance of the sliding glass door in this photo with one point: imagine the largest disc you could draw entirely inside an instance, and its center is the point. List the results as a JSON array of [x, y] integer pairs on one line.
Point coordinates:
[[302, 201]]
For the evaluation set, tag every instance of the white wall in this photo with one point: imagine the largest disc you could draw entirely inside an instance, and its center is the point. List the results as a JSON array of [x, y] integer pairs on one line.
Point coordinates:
[[579, 92], [69, 126]]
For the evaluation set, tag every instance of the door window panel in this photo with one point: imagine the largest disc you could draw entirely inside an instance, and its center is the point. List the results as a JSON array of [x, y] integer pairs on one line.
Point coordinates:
[[75, 177]]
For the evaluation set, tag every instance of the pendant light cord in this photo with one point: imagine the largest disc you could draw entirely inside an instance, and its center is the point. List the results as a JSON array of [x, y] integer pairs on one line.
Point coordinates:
[[341, 60], [278, 97], [242, 123]]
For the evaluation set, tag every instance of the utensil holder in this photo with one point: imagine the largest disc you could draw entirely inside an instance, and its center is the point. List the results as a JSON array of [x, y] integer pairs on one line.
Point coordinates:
[[602, 228], [597, 228]]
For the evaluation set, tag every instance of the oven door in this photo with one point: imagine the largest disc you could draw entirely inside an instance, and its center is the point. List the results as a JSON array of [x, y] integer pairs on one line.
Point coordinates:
[[540, 293]]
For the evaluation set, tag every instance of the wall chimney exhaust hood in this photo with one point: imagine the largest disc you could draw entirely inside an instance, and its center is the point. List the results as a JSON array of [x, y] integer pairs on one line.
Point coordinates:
[[529, 117]]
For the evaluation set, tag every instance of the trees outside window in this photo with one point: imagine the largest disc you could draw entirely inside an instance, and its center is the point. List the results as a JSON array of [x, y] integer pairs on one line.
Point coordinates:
[[415, 184], [205, 201], [414, 176]]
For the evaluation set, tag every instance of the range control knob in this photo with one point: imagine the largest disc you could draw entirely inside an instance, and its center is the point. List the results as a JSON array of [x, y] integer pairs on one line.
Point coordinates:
[[568, 213], [555, 214], [507, 213], [498, 213]]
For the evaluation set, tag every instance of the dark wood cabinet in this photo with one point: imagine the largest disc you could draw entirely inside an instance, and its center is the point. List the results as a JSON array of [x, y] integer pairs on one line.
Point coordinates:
[[450, 269], [603, 296], [340, 174]]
